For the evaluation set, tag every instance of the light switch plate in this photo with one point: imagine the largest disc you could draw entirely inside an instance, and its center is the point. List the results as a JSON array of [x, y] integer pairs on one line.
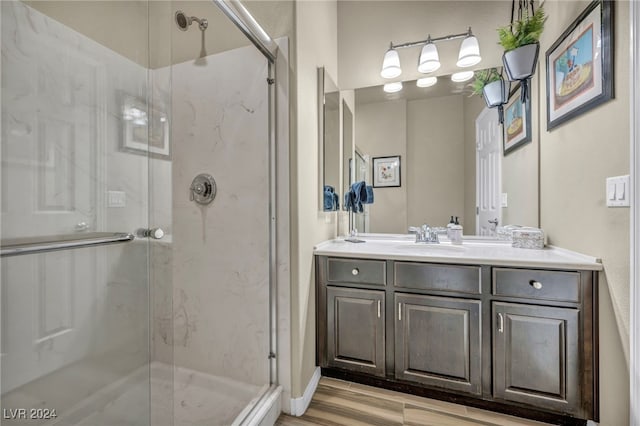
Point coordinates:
[[617, 191], [504, 200], [116, 199]]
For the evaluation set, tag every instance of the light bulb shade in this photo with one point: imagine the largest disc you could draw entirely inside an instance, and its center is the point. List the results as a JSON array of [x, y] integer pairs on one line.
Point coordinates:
[[391, 64], [469, 54], [429, 59], [426, 81], [394, 87], [459, 77]]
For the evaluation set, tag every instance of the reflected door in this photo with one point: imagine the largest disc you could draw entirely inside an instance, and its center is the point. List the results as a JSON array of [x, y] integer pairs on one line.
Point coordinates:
[[50, 124], [488, 172]]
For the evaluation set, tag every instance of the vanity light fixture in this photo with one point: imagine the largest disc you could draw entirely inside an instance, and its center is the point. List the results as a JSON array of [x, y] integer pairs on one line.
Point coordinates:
[[461, 76], [391, 64], [469, 54], [394, 87], [426, 81], [429, 60]]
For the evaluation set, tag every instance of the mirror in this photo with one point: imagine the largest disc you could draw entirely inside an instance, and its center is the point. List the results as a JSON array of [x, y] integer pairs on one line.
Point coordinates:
[[347, 147], [451, 152], [329, 142]]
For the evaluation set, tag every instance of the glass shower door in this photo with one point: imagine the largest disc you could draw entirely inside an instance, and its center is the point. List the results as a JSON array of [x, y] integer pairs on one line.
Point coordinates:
[[216, 257], [74, 320]]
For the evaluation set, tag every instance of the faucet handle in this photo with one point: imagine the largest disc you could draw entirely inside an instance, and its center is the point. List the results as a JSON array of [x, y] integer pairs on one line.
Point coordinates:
[[414, 230]]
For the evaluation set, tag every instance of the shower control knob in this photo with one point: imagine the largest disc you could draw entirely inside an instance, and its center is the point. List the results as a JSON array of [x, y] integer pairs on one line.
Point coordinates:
[[203, 189]]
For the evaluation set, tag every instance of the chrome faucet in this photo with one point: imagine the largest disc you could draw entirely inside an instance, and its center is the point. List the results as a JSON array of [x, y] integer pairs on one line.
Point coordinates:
[[425, 234]]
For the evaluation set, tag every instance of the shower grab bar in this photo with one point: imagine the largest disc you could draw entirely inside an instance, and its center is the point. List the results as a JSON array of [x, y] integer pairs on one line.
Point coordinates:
[[32, 245]]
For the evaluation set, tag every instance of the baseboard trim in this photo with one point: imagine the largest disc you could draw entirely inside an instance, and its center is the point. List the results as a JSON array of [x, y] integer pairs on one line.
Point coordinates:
[[300, 405]]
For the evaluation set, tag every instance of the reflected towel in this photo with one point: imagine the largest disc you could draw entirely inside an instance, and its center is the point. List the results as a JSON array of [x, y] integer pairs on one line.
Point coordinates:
[[348, 200], [369, 198], [360, 195], [329, 199]]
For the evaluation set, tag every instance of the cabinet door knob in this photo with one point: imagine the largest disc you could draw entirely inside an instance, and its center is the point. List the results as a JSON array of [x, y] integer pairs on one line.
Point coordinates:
[[355, 271], [535, 284]]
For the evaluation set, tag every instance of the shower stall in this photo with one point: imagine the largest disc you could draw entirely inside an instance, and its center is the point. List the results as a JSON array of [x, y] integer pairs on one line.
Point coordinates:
[[138, 205]]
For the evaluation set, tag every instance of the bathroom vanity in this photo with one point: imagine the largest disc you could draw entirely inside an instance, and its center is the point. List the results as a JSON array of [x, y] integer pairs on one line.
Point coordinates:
[[483, 324]]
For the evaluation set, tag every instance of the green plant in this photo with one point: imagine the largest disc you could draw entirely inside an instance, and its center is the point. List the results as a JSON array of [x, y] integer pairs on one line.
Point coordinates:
[[483, 77], [523, 31]]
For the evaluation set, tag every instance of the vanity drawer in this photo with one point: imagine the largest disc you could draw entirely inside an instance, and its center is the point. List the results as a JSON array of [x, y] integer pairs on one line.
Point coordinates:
[[451, 278], [536, 284], [356, 271]]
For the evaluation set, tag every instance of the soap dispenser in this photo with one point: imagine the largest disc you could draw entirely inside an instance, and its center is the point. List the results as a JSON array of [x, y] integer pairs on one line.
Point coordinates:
[[456, 232], [449, 225]]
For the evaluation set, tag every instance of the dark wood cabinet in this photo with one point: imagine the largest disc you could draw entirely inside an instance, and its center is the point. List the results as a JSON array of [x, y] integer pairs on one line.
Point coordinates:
[[523, 341], [536, 357], [438, 342], [355, 330]]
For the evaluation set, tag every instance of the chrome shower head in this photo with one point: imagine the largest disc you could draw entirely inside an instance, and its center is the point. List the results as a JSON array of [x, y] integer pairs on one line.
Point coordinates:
[[183, 21]]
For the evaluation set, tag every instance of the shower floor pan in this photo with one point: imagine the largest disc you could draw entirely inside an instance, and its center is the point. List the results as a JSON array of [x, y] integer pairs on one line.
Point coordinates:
[[177, 397]]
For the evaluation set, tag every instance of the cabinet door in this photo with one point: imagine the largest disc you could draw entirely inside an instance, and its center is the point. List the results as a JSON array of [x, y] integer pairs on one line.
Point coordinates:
[[355, 330], [438, 342], [536, 356]]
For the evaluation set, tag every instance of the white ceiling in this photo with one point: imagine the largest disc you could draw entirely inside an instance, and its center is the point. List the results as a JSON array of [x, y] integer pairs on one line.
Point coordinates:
[[365, 29]]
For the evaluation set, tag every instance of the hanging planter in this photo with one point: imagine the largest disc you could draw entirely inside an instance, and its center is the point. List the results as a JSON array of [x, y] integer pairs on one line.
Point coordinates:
[[496, 94], [520, 65], [520, 41], [494, 89]]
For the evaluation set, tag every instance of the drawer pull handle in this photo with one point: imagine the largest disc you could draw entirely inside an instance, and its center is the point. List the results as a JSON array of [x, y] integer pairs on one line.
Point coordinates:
[[399, 311], [500, 323], [535, 284], [378, 309], [355, 271]]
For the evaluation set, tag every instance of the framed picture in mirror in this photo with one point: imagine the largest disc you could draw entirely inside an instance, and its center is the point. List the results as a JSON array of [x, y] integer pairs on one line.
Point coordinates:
[[580, 65], [386, 172], [144, 130], [516, 129]]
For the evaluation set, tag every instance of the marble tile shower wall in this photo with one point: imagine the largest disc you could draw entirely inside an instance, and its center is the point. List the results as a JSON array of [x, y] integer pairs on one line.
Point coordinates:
[[218, 258], [61, 134]]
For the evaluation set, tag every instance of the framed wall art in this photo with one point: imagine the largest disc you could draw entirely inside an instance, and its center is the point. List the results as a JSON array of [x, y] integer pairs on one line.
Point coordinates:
[[580, 65], [517, 122], [144, 131], [386, 172]]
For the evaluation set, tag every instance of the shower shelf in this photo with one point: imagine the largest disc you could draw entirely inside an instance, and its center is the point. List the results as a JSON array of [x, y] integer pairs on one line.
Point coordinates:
[[32, 245]]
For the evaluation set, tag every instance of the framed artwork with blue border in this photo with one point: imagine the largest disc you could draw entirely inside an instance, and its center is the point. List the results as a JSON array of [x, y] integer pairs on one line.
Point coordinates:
[[516, 128], [580, 65]]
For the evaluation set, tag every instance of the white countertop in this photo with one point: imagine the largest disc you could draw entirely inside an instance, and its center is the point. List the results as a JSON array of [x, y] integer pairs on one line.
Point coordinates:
[[473, 251]]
